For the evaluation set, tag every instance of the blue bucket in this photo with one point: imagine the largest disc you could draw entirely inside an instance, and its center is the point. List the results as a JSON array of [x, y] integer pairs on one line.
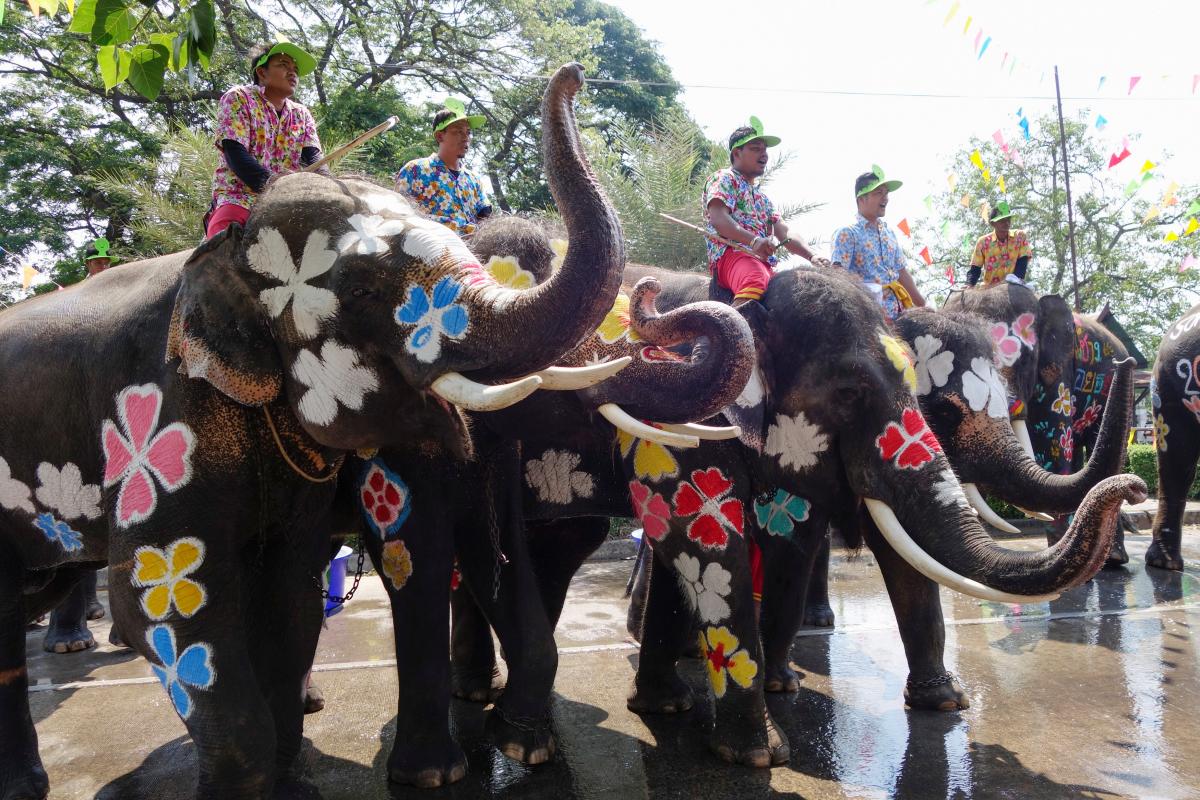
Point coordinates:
[[335, 579]]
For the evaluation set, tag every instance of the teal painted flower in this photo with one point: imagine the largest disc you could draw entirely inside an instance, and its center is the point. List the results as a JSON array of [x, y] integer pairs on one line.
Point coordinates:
[[779, 516]]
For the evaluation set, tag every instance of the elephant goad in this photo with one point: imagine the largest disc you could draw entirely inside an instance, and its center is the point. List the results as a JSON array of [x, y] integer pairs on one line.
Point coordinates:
[[182, 420], [1175, 396]]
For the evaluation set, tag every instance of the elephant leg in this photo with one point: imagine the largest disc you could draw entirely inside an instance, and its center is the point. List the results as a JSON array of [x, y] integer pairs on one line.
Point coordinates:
[[473, 672], [558, 549], [917, 605], [1176, 470], [667, 625], [817, 611], [68, 630], [95, 610], [22, 776], [789, 572], [638, 588]]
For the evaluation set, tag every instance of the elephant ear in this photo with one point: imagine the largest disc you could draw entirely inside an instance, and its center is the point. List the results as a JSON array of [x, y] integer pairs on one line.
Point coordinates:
[[1056, 340], [749, 411], [219, 331]]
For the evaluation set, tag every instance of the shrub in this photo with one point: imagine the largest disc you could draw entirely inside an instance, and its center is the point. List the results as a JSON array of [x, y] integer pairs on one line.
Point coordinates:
[[1143, 463]]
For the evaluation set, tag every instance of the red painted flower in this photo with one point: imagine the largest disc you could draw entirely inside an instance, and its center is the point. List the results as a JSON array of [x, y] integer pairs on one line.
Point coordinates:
[[1067, 441], [910, 446], [651, 509], [384, 497], [1087, 418], [716, 513]]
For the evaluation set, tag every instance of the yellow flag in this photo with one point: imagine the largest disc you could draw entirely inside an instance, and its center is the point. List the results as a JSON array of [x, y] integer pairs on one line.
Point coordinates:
[[1000, 184], [987, 176], [1172, 236], [952, 179], [985, 208], [1151, 214], [28, 275], [950, 14], [1149, 165], [1191, 227], [977, 160]]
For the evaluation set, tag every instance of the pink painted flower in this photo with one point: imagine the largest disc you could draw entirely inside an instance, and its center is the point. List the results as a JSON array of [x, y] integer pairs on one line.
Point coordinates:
[[1192, 404], [1087, 418], [707, 497], [910, 446], [1023, 329], [1008, 347], [134, 452], [651, 509], [1067, 441]]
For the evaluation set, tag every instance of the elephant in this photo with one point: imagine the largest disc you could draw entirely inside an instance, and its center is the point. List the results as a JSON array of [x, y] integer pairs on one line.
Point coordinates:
[[198, 408], [1175, 397]]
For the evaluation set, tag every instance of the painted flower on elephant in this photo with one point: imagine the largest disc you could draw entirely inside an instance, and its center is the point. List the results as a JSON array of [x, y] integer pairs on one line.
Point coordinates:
[[333, 378], [1067, 442], [14, 495], [133, 453], [616, 324], [948, 491], [64, 492], [59, 532], [795, 441], [909, 445], [707, 498], [397, 563], [165, 575], [1161, 429], [650, 459], [933, 365], [366, 234], [901, 358], [723, 657], [178, 671], [384, 498], [508, 272], [983, 388], [435, 315], [651, 509], [779, 515], [705, 591], [1087, 418], [311, 305], [1063, 404], [1192, 404], [555, 479], [559, 247], [1007, 347], [1023, 328]]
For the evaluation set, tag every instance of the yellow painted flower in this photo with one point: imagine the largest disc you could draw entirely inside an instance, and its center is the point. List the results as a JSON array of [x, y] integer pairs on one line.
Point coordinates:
[[397, 563], [559, 246], [901, 359], [507, 272], [616, 324], [165, 574], [1161, 429], [722, 657], [650, 460]]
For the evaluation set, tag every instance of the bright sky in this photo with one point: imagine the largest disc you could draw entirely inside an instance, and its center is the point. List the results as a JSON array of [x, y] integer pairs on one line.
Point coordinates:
[[785, 59]]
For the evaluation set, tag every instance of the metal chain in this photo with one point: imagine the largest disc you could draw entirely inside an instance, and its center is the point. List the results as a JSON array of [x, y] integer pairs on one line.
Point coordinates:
[[930, 683], [358, 573], [498, 556]]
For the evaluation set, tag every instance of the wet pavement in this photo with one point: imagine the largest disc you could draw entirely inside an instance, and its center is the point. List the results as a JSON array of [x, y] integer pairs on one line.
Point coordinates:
[[1092, 695]]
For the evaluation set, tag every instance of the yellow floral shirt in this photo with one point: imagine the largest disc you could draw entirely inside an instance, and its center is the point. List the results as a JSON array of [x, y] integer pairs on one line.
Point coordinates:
[[998, 259]]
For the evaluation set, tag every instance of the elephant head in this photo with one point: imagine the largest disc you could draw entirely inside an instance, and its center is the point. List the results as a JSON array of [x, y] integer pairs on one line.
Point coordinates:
[[370, 317]]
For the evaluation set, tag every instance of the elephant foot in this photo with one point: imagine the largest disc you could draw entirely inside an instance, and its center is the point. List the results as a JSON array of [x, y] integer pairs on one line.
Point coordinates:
[[427, 766], [666, 695], [314, 699], [293, 788], [526, 739], [1163, 557], [941, 693], [26, 782], [115, 638], [781, 678], [771, 750], [95, 610], [1117, 557], [71, 639], [476, 686], [818, 615]]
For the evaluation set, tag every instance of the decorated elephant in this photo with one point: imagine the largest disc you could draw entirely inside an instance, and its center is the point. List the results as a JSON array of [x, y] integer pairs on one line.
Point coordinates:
[[193, 411], [1175, 396]]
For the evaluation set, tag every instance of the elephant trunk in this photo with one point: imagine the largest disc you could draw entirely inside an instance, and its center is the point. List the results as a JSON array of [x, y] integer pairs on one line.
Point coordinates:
[[526, 331], [1009, 472]]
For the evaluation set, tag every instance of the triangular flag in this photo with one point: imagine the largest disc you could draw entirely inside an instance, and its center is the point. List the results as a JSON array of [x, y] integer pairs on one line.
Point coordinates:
[[1194, 208], [1191, 227], [952, 179], [978, 38], [1100, 85], [977, 160], [1149, 165], [1100, 122], [987, 176], [925, 255], [950, 273], [903, 226], [36, 8], [1195, 81], [984, 48], [950, 14], [1171, 236], [945, 227], [966, 201], [1000, 184], [1131, 187], [1024, 123], [929, 203], [1151, 214], [1188, 261], [28, 276], [1133, 82], [968, 25], [1117, 158], [1147, 177], [1169, 198], [998, 138], [985, 208]]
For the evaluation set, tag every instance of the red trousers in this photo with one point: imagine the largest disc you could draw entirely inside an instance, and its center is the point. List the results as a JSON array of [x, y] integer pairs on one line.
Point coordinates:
[[742, 274], [223, 216]]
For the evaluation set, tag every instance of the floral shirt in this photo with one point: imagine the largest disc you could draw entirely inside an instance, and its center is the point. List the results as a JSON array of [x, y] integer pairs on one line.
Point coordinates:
[[873, 254], [275, 138], [454, 199], [997, 258], [750, 208]]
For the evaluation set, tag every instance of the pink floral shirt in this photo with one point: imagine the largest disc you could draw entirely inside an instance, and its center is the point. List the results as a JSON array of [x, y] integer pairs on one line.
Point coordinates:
[[273, 137]]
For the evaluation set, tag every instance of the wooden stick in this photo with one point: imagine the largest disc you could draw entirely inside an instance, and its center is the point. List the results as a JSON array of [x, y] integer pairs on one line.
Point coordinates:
[[386, 125], [712, 236]]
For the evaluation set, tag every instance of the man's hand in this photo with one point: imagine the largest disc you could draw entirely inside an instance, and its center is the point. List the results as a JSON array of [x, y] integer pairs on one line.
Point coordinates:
[[822, 262], [765, 246]]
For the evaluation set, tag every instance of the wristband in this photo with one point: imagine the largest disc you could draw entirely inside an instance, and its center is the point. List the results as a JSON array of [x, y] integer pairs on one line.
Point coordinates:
[[785, 241]]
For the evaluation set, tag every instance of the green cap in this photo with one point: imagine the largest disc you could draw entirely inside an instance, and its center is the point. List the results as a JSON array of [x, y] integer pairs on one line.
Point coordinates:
[[99, 249], [460, 113], [1001, 211], [304, 62], [870, 181], [756, 124]]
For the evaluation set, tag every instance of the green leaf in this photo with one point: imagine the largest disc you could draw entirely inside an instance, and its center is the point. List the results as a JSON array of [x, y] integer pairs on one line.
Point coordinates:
[[148, 64], [114, 23], [84, 17], [1, 12], [203, 27], [167, 41], [106, 59], [179, 52]]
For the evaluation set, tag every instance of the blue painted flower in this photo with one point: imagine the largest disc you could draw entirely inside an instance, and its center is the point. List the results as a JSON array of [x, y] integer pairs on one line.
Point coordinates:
[[435, 317], [192, 668], [779, 516], [58, 531], [383, 498]]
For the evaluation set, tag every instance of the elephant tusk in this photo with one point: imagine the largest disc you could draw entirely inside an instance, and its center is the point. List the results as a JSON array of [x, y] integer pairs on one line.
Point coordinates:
[[566, 379], [703, 432], [985, 511], [1022, 432], [1038, 515], [623, 421], [466, 393], [910, 551]]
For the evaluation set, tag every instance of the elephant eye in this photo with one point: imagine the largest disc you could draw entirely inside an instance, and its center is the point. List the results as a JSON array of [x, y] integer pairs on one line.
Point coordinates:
[[360, 291]]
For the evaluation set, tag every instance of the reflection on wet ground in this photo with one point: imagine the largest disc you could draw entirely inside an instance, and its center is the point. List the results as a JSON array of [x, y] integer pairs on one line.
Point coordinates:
[[1092, 695]]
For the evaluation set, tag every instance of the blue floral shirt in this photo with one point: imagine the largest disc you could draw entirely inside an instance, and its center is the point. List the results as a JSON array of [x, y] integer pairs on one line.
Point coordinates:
[[749, 207], [873, 254], [455, 200]]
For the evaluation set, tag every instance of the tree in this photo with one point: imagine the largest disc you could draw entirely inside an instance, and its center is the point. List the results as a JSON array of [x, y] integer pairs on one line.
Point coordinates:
[[1122, 253]]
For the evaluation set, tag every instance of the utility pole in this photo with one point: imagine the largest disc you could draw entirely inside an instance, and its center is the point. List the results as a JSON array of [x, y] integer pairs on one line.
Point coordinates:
[[1062, 137]]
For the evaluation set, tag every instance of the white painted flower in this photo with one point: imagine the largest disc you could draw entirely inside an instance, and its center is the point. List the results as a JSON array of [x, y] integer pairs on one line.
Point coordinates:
[[334, 378], [705, 592], [596, 358], [381, 203], [14, 495], [754, 391], [432, 243], [65, 492], [311, 305], [366, 234], [982, 387], [555, 479], [559, 246], [934, 365], [795, 441], [948, 491]]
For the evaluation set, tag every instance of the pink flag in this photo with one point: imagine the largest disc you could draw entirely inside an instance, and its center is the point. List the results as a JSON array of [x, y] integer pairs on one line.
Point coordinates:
[[978, 38], [998, 137], [1133, 82], [1188, 262], [1195, 82], [950, 273]]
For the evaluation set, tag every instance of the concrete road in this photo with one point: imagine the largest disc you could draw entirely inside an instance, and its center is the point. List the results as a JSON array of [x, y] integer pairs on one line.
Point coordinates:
[[1093, 695]]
